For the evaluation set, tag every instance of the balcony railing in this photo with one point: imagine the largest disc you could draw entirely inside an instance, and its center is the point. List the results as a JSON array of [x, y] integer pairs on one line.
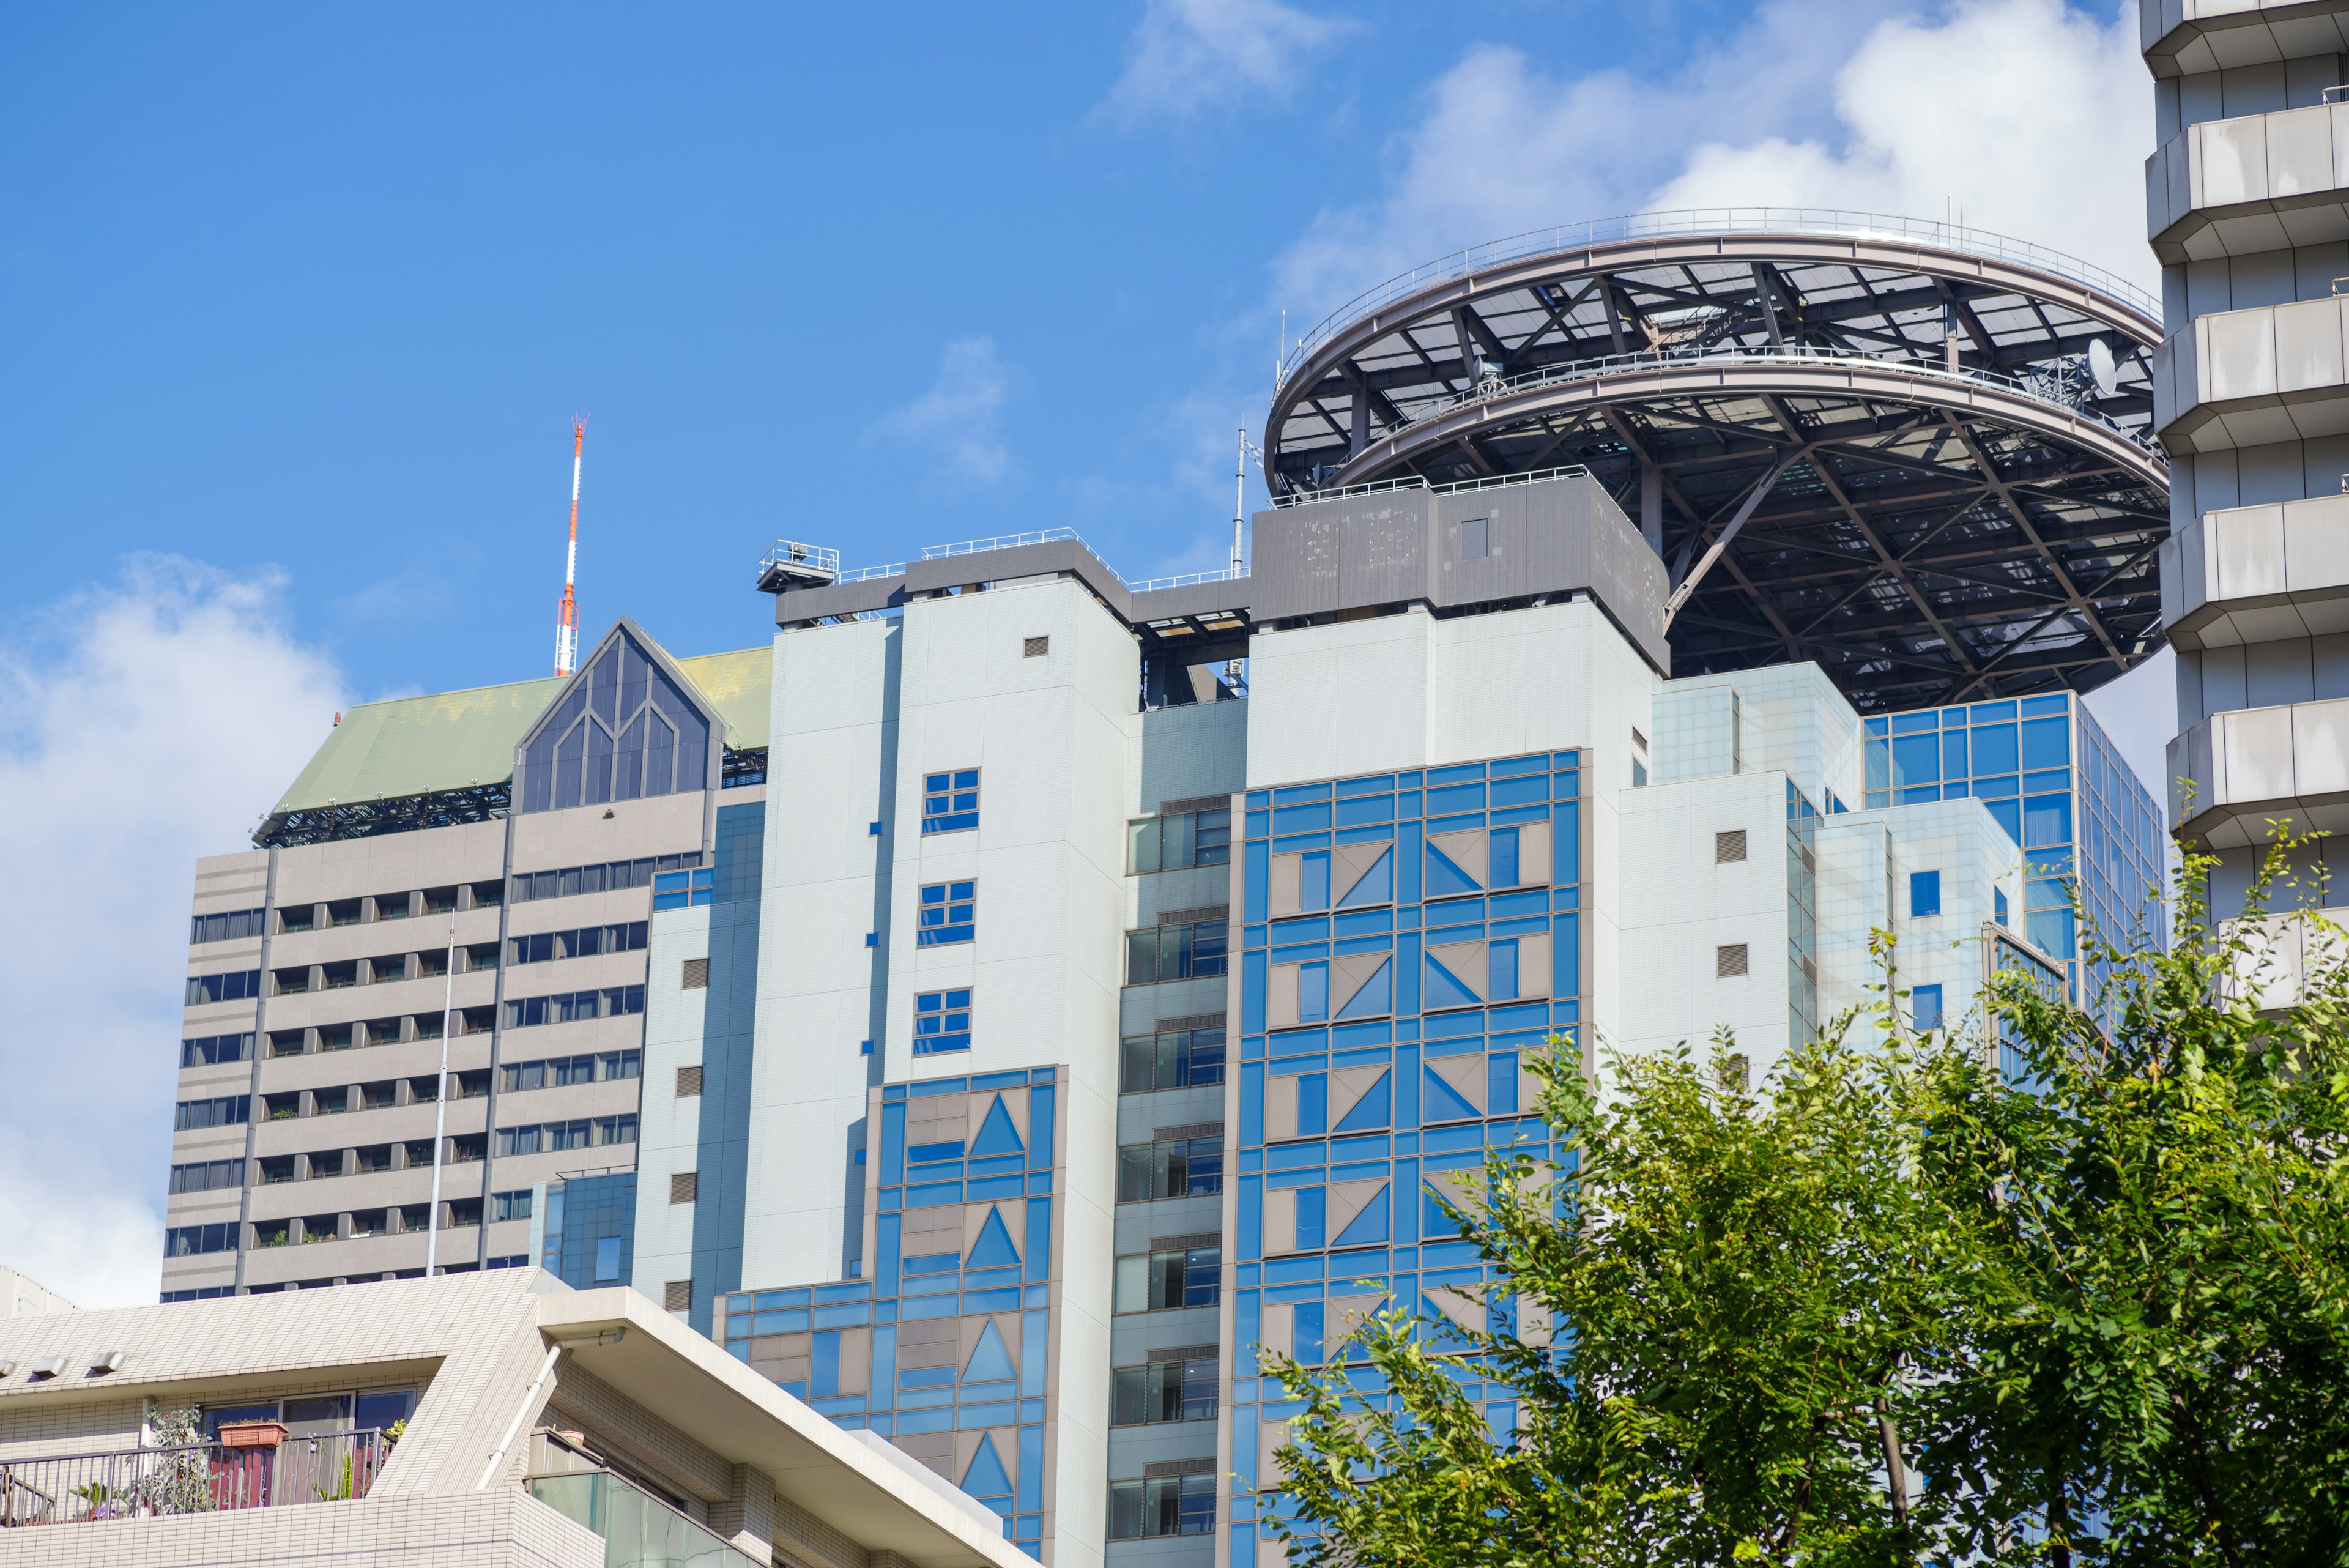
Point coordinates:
[[201, 1478], [639, 1531]]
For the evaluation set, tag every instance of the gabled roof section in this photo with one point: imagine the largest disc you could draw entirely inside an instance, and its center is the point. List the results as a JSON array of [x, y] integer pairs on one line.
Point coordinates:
[[464, 740]]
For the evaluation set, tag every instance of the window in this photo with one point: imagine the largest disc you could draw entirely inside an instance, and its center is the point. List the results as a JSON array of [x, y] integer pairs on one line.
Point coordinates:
[[1312, 992], [586, 942], [571, 880], [241, 985], [1162, 1505], [615, 1130], [1171, 1167], [950, 801], [233, 926], [228, 1110], [607, 1260], [214, 1050], [1035, 647], [1729, 960], [1925, 1008], [946, 913], [688, 1082], [298, 918], [514, 1205], [1179, 840], [625, 730], [208, 1176], [1175, 1060], [577, 1006], [694, 975], [1163, 1391], [1728, 847], [677, 1295], [1161, 1281], [685, 1187], [684, 890], [1924, 894], [1187, 951], [941, 1022], [189, 1240], [1998, 904], [1476, 538]]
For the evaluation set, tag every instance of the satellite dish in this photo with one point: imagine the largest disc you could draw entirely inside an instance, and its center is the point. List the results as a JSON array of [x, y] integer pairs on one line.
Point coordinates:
[[2101, 368]]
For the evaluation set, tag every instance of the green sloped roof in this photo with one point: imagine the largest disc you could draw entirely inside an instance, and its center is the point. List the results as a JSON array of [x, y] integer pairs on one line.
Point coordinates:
[[455, 740]]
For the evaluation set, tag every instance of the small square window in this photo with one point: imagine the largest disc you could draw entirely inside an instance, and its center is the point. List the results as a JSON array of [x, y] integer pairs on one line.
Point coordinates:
[[950, 801], [1036, 647], [685, 1187], [1728, 847], [677, 1297], [941, 1022], [1729, 960], [1924, 894], [696, 975], [948, 914], [1476, 538], [688, 1082]]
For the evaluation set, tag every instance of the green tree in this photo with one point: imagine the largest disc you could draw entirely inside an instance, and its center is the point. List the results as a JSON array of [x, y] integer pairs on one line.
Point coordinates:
[[2037, 1292]]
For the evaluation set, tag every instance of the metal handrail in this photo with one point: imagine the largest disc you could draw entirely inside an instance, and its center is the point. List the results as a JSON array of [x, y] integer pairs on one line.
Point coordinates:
[[1788, 221], [192, 1478], [1000, 542], [1188, 580], [1589, 369]]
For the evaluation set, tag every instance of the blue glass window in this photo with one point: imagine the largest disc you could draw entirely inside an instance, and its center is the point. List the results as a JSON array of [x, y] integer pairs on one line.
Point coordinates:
[[1925, 1008], [950, 801], [2046, 743], [1502, 858], [681, 889], [941, 1022], [2046, 821], [1313, 886], [1312, 992], [947, 913], [1924, 894], [1502, 971], [1916, 760]]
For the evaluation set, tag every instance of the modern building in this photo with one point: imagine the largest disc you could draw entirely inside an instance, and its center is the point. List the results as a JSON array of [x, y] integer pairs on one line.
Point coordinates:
[[409, 913], [1130, 964], [21, 1295], [2247, 199], [497, 1420]]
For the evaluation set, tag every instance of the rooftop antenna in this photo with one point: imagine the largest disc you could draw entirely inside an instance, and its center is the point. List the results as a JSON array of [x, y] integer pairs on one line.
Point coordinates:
[[566, 621]]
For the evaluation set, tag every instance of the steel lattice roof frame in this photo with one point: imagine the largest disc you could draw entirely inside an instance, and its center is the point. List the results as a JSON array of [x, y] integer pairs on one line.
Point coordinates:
[[1932, 535]]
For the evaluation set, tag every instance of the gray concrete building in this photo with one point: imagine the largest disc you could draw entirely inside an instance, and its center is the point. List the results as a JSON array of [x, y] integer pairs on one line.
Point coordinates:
[[404, 911], [2247, 199]]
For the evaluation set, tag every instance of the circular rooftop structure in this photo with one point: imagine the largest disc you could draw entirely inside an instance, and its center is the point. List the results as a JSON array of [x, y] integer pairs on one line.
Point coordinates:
[[1917, 454]]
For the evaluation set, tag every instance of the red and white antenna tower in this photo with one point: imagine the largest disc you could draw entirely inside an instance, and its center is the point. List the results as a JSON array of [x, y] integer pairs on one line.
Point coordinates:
[[566, 621]]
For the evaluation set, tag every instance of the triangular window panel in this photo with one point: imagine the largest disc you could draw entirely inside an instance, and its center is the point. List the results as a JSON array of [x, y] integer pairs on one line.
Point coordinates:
[[1375, 998], [989, 1358], [1444, 878], [1372, 1110], [996, 1134], [1441, 1102], [986, 1477], [1369, 1226], [1446, 989], [1376, 885], [993, 1249]]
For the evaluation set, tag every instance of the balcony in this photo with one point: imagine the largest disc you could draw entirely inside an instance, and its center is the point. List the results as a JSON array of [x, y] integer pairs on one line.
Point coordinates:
[[636, 1527], [2246, 767], [2282, 955], [2181, 38], [2259, 183], [201, 1478], [2255, 573], [2249, 377]]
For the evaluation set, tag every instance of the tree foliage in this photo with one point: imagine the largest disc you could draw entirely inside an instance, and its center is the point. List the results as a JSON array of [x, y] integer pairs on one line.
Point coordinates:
[[2033, 1292]]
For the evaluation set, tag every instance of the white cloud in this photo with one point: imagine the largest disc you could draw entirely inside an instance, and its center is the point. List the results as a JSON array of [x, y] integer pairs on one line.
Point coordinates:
[[140, 726], [2036, 118], [959, 413], [407, 596], [1187, 56]]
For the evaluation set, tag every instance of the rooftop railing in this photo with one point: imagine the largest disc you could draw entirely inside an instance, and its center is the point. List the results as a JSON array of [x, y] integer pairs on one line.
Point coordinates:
[[1040, 536], [1788, 221], [198, 1478], [1589, 369]]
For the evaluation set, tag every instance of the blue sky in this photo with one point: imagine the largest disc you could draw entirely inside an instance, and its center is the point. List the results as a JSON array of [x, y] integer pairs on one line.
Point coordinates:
[[297, 304]]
